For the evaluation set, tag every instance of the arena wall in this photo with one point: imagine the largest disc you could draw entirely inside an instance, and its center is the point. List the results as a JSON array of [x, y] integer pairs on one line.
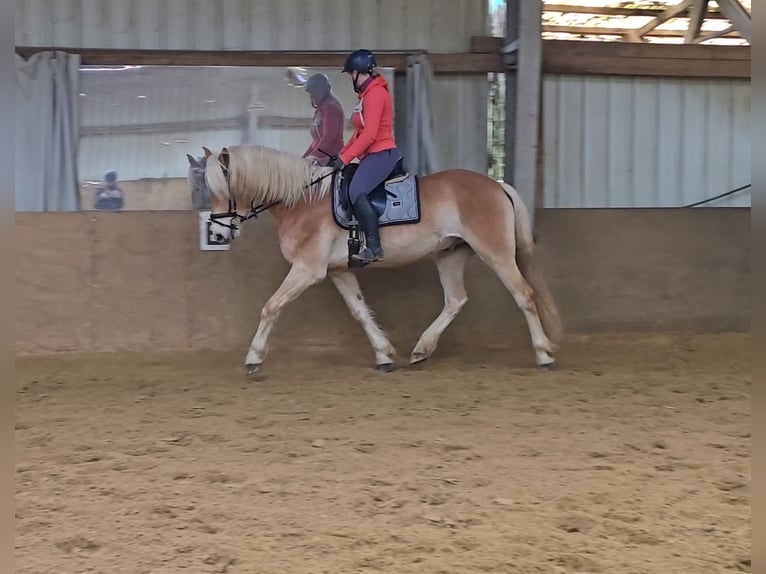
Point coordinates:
[[96, 281]]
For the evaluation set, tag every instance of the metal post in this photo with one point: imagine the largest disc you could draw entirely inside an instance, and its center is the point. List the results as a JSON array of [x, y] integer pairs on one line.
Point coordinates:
[[511, 40], [523, 83]]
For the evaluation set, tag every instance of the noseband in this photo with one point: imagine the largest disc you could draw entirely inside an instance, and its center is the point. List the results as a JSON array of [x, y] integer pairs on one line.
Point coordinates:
[[255, 210]]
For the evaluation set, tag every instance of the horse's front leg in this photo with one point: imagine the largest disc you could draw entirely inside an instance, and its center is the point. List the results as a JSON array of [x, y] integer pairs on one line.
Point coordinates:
[[299, 278], [348, 287]]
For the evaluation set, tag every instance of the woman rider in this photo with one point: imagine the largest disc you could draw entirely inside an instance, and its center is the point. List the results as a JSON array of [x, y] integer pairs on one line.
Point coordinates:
[[372, 142]]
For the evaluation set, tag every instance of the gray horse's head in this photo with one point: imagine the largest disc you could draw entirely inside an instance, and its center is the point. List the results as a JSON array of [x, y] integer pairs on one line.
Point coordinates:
[[196, 177]]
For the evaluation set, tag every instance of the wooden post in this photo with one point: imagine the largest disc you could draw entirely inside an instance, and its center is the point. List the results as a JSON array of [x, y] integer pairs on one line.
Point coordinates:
[[523, 126], [738, 17]]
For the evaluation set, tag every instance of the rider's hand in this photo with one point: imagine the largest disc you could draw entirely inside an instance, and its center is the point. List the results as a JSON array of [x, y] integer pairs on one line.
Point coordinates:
[[336, 162]]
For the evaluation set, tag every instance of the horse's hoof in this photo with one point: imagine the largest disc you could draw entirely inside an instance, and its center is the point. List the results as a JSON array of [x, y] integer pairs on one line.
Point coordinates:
[[416, 358], [386, 367], [549, 366], [254, 369]]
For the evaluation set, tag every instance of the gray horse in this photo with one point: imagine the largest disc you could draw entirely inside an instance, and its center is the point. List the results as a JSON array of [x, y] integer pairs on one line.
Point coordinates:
[[199, 193]]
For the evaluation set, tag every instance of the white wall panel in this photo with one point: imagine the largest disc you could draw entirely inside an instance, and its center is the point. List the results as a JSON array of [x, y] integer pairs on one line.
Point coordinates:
[[644, 142], [436, 25]]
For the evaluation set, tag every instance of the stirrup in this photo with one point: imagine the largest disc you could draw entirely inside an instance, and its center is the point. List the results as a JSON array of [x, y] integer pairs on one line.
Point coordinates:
[[367, 255]]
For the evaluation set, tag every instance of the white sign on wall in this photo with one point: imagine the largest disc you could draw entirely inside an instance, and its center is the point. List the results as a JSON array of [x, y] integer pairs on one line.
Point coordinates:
[[205, 241]]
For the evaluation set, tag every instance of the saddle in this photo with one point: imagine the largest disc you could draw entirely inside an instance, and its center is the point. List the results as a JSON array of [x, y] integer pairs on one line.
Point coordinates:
[[396, 199]]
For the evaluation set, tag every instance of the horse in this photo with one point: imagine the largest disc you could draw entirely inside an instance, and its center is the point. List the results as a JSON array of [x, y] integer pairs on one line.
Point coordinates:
[[199, 196], [464, 213]]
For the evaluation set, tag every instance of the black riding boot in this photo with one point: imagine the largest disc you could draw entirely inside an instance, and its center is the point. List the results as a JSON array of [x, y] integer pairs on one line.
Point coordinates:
[[368, 221]]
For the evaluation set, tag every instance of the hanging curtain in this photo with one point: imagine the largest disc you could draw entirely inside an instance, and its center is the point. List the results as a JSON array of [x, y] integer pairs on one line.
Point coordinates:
[[420, 148], [47, 132]]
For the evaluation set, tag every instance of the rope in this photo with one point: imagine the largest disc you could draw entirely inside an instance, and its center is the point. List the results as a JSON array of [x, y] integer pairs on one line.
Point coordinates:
[[732, 192]]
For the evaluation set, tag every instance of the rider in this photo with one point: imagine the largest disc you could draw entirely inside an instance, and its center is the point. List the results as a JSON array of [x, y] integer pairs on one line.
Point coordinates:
[[327, 127], [372, 142]]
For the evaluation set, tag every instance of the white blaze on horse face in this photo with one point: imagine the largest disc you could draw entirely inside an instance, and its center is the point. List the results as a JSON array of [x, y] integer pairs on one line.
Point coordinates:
[[219, 232]]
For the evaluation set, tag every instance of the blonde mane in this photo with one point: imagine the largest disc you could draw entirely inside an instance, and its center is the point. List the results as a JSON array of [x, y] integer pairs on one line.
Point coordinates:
[[263, 174]]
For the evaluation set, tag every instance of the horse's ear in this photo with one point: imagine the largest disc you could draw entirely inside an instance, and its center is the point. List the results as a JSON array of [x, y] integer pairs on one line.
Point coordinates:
[[223, 158], [192, 161], [208, 153]]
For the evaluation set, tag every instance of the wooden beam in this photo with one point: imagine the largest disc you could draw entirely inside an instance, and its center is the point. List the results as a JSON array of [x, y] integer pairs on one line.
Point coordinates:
[[738, 17], [528, 100], [586, 48], [657, 60], [667, 14], [623, 32], [712, 35], [697, 14], [614, 11], [555, 49], [259, 58], [650, 68], [443, 63], [559, 57]]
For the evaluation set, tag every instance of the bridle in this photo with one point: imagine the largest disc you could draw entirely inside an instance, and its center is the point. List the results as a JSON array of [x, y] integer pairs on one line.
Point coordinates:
[[255, 209]]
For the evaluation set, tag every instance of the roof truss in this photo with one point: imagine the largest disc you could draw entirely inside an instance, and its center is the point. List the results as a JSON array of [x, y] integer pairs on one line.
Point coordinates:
[[697, 12]]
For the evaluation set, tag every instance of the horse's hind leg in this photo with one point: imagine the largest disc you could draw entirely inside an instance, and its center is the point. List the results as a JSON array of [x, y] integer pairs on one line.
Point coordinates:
[[348, 287], [524, 295], [451, 267], [296, 282]]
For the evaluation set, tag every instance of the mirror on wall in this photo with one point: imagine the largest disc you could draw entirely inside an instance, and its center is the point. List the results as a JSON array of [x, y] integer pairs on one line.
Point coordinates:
[[137, 123]]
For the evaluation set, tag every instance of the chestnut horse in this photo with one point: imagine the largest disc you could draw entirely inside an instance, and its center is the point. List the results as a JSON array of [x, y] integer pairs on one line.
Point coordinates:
[[462, 213]]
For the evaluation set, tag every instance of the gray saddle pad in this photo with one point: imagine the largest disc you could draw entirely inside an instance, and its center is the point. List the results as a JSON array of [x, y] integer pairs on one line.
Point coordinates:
[[402, 202]]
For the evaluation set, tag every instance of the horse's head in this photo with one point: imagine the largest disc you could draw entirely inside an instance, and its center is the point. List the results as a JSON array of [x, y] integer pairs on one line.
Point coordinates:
[[224, 223], [196, 179], [244, 181]]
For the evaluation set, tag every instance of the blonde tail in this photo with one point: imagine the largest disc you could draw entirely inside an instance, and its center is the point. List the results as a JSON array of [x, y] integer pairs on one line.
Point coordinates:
[[530, 269]]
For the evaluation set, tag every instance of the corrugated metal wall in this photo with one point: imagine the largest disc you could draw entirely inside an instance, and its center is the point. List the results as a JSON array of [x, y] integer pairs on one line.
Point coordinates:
[[644, 142], [434, 25]]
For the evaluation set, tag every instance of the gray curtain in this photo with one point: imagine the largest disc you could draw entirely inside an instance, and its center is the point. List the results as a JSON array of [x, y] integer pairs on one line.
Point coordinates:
[[420, 148], [47, 132]]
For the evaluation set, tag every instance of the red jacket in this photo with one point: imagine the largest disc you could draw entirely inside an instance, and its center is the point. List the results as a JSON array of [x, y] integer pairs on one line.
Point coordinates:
[[373, 122], [326, 130]]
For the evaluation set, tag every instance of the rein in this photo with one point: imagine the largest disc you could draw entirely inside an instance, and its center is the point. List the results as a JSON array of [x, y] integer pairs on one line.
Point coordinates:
[[255, 210]]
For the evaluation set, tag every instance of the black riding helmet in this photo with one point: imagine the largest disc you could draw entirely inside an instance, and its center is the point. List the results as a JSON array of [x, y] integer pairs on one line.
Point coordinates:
[[360, 61]]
